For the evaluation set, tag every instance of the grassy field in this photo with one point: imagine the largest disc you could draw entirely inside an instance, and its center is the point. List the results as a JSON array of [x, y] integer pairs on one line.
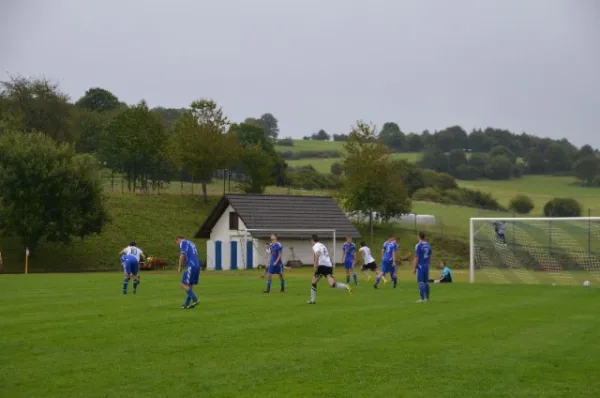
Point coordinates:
[[311, 145], [75, 335], [324, 165]]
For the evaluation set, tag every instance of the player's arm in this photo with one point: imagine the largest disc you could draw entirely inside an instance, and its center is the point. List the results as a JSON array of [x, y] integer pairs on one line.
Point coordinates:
[[122, 252], [142, 256], [394, 256], [181, 256], [416, 260], [316, 259], [278, 259]]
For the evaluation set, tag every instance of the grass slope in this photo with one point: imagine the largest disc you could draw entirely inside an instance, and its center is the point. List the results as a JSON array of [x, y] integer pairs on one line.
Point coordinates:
[[324, 165], [74, 335]]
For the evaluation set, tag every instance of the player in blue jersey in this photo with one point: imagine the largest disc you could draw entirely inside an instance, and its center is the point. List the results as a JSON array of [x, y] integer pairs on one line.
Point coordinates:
[[130, 269], [188, 254], [349, 259], [421, 267], [388, 262], [275, 263], [135, 251]]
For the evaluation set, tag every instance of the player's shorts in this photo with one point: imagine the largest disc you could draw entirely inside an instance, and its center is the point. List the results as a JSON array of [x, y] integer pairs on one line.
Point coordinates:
[[371, 266], [131, 268], [348, 265], [323, 270], [276, 269], [422, 274], [190, 276], [388, 267]]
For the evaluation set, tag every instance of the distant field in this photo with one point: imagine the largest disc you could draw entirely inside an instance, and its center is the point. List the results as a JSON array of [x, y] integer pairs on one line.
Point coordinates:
[[324, 165], [312, 145]]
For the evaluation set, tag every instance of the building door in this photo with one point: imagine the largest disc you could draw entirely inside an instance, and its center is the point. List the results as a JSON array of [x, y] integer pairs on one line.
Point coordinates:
[[249, 254], [234, 255], [218, 255]]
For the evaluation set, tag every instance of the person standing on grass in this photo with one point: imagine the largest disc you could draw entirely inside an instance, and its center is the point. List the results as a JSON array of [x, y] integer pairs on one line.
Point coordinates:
[[323, 268], [131, 268], [349, 259], [369, 263], [188, 254], [132, 250], [388, 262], [275, 265], [421, 267]]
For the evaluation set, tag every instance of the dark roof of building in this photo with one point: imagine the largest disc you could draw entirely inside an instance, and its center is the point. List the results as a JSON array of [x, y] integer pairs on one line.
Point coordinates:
[[278, 212]]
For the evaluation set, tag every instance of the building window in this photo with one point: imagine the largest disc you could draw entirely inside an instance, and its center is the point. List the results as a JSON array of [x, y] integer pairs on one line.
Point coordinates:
[[233, 221]]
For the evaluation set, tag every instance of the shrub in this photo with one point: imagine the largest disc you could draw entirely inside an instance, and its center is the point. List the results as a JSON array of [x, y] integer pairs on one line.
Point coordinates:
[[289, 155], [521, 204], [428, 194], [562, 207], [467, 172], [499, 168], [307, 177], [337, 169], [285, 142], [440, 181]]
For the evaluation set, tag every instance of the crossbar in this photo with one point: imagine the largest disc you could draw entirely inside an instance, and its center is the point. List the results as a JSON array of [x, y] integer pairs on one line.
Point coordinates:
[[536, 218]]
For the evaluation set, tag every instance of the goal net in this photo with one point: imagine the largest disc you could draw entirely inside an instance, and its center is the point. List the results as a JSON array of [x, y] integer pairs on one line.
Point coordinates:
[[561, 251], [297, 248]]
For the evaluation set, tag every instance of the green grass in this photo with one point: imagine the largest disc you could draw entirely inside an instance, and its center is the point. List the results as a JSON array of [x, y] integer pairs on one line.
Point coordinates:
[[311, 145], [74, 335], [540, 189], [323, 165]]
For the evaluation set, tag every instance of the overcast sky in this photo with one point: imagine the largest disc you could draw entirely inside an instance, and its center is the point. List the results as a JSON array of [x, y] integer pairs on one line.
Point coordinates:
[[524, 65]]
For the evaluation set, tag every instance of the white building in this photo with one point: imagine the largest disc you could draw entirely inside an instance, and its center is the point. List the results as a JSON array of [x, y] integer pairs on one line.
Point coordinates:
[[231, 246]]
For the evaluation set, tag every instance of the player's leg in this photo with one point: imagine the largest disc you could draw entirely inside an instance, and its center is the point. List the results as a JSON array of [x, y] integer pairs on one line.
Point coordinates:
[[338, 285], [365, 271], [425, 278], [194, 279], [126, 272], [347, 269], [270, 271], [186, 285], [421, 284], [135, 271], [313, 289], [354, 276], [381, 275], [394, 275], [281, 279]]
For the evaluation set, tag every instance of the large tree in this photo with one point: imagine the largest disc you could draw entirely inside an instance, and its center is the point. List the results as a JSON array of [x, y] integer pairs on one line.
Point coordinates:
[[557, 158], [48, 192], [200, 143], [268, 123], [135, 143], [393, 137], [586, 169], [98, 100], [371, 183], [38, 105]]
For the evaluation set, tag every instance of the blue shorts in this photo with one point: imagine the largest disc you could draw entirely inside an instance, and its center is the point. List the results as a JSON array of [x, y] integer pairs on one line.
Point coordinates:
[[276, 269], [422, 274], [131, 268], [348, 265], [388, 267], [191, 276]]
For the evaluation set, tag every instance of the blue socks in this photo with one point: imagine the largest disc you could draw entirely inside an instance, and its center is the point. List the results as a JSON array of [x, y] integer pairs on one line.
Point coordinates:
[[268, 285], [125, 283], [427, 291], [190, 297], [422, 291], [347, 278], [377, 280], [355, 278], [395, 280], [135, 285], [282, 285]]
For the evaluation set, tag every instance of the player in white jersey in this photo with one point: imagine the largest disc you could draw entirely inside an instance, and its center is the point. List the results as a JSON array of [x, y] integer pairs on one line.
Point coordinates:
[[136, 252], [323, 268], [369, 263]]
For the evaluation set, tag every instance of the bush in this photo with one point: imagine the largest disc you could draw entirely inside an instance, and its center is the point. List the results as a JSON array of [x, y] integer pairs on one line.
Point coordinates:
[[337, 169], [521, 204], [562, 207], [467, 172], [440, 181], [289, 155], [285, 142], [499, 168], [307, 177], [428, 194]]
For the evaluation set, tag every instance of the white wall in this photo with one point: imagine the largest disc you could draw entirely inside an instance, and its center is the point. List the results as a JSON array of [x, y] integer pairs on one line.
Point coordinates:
[[221, 232]]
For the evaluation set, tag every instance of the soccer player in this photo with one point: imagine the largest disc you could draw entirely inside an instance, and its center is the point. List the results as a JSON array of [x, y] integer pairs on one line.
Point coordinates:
[[188, 254], [130, 269], [133, 250], [421, 267], [500, 226], [323, 268], [388, 262], [445, 277], [368, 260], [275, 265], [267, 259], [349, 259]]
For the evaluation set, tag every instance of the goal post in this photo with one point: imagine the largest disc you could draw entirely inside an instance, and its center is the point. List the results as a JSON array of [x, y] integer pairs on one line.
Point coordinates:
[[533, 250], [250, 236]]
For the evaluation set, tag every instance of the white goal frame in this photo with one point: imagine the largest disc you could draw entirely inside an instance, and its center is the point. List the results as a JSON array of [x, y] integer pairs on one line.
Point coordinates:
[[472, 232], [244, 233]]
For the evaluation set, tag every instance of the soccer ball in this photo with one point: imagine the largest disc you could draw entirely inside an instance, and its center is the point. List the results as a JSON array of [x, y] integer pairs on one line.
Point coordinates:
[[586, 283]]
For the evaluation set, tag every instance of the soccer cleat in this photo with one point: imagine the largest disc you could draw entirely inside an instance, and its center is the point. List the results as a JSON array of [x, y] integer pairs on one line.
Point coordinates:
[[310, 302], [195, 303], [385, 281], [124, 292], [184, 307], [266, 291], [375, 287], [421, 301], [369, 278], [349, 289], [134, 292], [282, 291]]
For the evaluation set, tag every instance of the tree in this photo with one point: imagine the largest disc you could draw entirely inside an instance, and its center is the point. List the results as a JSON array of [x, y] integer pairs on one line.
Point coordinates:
[[371, 183], [393, 137], [451, 138], [200, 144], [501, 150], [411, 176], [557, 158], [48, 192], [414, 143], [321, 135], [340, 137], [562, 207], [434, 159], [135, 143], [169, 115], [585, 150], [38, 105], [587, 168], [521, 204], [268, 123], [478, 141], [499, 168], [456, 158], [478, 163], [535, 161], [97, 99], [439, 181]]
